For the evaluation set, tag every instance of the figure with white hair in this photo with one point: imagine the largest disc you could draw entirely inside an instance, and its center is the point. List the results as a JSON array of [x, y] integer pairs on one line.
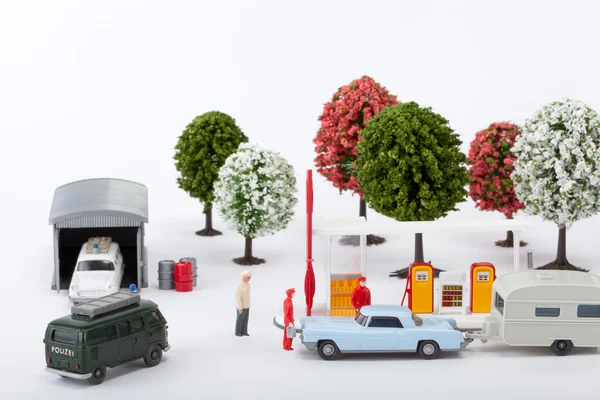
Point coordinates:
[[242, 301]]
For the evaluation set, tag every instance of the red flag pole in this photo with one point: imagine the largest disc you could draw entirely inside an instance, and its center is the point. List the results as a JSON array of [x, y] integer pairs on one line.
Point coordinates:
[[309, 279]]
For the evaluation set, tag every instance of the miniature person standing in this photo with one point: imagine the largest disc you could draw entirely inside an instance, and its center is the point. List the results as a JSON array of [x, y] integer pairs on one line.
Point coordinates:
[[288, 318], [242, 303], [361, 296]]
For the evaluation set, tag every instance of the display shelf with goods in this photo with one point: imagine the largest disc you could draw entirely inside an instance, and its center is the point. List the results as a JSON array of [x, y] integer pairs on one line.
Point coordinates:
[[452, 296], [342, 286], [451, 293]]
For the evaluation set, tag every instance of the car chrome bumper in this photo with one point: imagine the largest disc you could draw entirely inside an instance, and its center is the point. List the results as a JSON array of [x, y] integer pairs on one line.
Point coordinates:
[[167, 348], [67, 374]]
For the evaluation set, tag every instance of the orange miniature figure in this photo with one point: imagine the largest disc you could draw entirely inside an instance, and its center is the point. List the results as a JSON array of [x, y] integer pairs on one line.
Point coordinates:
[[288, 318], [361, 296]]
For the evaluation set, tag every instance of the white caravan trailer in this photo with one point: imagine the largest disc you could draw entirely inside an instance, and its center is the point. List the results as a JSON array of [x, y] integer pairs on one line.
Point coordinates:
[[558, 309]]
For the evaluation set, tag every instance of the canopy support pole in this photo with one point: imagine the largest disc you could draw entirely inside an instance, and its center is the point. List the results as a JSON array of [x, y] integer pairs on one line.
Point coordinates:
[[328, 240], [516, 248], [363, 255]]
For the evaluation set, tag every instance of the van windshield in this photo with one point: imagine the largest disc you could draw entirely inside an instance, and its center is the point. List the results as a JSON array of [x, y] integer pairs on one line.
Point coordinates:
[[96, 265], [64, 336]]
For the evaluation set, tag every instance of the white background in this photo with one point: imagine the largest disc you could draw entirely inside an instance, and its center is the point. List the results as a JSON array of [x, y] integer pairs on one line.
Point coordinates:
[[104, 89]]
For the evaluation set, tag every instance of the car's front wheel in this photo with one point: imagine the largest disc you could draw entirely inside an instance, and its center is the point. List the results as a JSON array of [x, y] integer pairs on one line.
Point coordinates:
[[328, 350], [153, 355], [428, 349]]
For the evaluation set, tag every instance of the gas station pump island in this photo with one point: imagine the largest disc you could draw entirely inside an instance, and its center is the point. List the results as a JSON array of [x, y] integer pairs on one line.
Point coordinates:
[[420, 290]]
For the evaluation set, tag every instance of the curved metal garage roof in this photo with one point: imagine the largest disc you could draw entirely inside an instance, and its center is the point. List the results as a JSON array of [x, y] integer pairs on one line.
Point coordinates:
[[100, 196]]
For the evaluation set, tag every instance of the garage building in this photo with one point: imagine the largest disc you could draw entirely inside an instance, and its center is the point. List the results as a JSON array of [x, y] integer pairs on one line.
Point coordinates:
[[100, 207]]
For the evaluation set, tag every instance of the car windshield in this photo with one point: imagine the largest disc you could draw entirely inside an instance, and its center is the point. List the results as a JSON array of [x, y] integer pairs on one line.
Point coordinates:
[[417, 320], [95, 265], [361, 319]]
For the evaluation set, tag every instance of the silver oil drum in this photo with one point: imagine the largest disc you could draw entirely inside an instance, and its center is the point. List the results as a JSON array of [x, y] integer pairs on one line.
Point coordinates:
[[166, 269]]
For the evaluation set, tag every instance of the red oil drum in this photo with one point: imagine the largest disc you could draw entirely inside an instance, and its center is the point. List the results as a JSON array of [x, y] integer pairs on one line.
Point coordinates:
[[183, 275], [184, 286]]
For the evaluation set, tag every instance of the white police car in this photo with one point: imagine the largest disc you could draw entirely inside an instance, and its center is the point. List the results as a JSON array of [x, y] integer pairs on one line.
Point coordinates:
[[99, 270]]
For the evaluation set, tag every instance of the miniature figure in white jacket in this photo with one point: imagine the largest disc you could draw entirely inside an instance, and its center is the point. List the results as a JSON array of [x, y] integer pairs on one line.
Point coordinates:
[[242, 301]]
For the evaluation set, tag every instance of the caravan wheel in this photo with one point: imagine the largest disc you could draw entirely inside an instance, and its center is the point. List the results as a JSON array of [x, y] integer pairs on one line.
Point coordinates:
[[562, 347]]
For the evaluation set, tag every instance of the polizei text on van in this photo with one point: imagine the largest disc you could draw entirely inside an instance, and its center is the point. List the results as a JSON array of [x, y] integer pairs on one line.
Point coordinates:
[[64, 352]]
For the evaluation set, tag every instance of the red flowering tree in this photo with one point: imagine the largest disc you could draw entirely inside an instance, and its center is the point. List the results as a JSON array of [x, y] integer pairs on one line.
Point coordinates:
[[342, 121], [491, 163]]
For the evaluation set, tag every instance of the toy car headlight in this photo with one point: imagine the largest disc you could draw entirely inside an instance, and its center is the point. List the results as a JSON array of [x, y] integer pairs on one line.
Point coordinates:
[[73, 287], [110, 285]]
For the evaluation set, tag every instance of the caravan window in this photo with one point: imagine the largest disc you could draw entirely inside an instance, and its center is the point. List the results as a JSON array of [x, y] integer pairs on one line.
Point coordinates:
[[588, 311], [499, 302], [547, 312]]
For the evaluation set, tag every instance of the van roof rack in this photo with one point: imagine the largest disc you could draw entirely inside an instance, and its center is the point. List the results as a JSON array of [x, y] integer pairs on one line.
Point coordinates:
[[106, 304], [102, 244]]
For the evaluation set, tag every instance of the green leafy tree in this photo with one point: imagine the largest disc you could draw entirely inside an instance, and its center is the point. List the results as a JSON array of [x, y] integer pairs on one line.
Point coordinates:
[[200, 152], [410, 167]]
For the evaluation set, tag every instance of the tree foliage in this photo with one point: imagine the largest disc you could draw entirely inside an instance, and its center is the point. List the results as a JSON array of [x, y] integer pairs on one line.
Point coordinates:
[[409, 164], [201, 151], [342, 121], [557, 170], [255, 192], [491, 163]]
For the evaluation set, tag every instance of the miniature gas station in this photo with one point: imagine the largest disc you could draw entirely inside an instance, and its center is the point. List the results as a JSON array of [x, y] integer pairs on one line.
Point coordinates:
[[422, 294]]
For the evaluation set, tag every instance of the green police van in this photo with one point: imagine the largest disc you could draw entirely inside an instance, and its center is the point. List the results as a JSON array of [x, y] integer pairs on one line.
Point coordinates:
[[105, 332]]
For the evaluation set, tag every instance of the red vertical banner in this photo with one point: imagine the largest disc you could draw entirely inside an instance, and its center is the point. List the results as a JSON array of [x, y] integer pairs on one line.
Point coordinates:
[[309, 279]]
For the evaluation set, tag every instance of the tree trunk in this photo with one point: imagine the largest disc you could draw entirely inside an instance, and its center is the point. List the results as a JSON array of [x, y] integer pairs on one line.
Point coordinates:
[[362, 208], [509, 241], [248, 248], [419, 248], [248, 258], [355, 240], [561, 262], [208, 229], [419, 258]]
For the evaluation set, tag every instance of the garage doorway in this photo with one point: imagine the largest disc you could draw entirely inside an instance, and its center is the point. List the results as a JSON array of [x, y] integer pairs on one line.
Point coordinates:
[[70, 241]]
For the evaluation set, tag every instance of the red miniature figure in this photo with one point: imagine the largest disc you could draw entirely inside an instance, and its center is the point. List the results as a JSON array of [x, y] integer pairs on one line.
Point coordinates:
[[361, 296], [288, 318]]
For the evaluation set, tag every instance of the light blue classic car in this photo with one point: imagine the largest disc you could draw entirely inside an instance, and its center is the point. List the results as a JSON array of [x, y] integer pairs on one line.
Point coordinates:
[[381, 329]]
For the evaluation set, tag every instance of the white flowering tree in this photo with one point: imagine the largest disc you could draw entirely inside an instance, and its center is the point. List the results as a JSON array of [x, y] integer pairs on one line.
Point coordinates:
[[557, 170], [256, 195]]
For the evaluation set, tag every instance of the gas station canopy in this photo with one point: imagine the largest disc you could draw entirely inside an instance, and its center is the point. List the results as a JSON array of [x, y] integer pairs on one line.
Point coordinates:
[[359, 226]]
